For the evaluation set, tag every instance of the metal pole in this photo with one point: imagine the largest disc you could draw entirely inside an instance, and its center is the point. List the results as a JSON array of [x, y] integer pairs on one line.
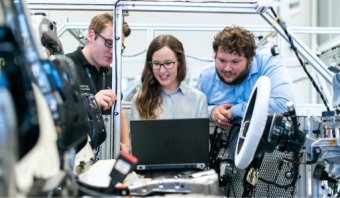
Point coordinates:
[[116, 78], [302, 182], [315, 186]]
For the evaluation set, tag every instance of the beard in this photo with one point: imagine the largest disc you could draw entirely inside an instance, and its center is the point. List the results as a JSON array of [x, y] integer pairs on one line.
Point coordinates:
[[238, 80]]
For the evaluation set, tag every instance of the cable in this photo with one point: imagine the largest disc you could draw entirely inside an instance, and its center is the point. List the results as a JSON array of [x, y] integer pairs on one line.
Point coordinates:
[[275, 177], [199, 59], [134, 55], [299, 59], [229, 139]]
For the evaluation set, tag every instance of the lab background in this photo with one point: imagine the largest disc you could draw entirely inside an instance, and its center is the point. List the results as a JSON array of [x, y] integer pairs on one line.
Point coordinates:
[[313, 22]]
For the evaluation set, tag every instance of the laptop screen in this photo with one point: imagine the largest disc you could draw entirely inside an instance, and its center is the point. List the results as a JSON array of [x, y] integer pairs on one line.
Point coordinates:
[[172, 143]]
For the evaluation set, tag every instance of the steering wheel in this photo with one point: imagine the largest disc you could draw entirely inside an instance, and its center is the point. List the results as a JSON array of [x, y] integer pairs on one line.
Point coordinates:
[[253, 123]]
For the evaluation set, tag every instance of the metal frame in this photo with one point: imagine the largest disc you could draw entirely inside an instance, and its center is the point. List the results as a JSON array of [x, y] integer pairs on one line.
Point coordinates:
[[258, 7], [237, 8], [70, 4], [73, 29]]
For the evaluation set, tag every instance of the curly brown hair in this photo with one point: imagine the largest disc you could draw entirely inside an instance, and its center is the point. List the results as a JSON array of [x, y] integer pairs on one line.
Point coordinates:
[[149, 97], [235, 40]]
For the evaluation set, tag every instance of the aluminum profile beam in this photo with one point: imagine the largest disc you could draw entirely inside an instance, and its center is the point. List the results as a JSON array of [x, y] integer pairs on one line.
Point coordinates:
[[218, 7], [116, 81], [70, 4], [171, 6], [71, 26]]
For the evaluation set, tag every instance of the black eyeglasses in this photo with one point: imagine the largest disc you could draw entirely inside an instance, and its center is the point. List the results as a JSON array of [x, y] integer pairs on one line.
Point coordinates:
[[107, 42], [157, 65]]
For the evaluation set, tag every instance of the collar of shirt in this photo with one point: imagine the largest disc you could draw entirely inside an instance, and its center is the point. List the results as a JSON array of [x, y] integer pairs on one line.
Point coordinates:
[[182, 89], [83, 61]]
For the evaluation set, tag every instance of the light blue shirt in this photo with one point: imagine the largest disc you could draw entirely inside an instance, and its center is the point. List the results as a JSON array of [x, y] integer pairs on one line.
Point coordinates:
[[186, 102], [263, 64]]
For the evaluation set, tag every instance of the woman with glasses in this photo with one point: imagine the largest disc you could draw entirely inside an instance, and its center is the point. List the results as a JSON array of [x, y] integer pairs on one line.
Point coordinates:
[[163, 94], [92, 63]]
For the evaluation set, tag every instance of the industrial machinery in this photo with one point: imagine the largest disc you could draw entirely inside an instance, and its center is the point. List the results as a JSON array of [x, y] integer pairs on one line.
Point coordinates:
[[263, 133]]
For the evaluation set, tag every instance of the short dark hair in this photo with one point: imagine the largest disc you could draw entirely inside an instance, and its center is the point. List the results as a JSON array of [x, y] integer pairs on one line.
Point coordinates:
[[100, 21]]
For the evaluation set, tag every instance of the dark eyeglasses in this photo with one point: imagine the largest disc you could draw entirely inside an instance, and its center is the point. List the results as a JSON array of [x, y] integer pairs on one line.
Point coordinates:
[[157, 65], [107, 42]]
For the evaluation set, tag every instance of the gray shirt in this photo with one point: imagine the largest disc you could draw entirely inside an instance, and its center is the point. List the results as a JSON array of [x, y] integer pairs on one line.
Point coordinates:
[[186, 102]]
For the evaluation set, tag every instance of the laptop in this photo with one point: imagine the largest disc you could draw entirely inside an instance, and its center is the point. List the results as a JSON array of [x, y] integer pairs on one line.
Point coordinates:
[[171, 143]]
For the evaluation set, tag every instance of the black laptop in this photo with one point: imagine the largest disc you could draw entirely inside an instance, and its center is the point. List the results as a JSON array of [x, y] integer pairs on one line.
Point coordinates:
[[170, 144]]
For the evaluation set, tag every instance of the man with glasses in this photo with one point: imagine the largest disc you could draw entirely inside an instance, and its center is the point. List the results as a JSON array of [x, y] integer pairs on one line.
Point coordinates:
[[93, 65], [229, 81]]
